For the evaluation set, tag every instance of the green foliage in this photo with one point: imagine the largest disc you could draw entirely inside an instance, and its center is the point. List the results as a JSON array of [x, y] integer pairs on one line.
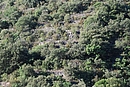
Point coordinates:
[[110, 82], [47, 17], [89, 20], [109, 11], [29, 3], [61, 84], [11, 14], [43, 43], [26, 23], [12, 56], [37, 82], [93, 49], [28, 70]]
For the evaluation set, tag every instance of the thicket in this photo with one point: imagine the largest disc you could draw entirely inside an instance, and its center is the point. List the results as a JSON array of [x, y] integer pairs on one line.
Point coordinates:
[[65, 43]]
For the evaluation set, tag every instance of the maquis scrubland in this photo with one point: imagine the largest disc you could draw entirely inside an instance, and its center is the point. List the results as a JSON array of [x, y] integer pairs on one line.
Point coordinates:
[[65, 43]]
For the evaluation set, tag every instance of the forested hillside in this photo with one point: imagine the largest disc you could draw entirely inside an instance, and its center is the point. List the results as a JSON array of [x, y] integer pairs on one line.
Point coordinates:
[[65, 43]]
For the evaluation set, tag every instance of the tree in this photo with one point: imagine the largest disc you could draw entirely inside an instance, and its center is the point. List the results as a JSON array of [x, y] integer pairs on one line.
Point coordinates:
[[25, 23], [30, 3], [110, 82], [12, 56], [12, 14], [61, 84], [28, 70]]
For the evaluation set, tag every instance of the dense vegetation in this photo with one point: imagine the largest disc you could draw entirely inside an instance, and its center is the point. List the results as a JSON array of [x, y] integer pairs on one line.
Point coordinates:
[[65, 43]]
